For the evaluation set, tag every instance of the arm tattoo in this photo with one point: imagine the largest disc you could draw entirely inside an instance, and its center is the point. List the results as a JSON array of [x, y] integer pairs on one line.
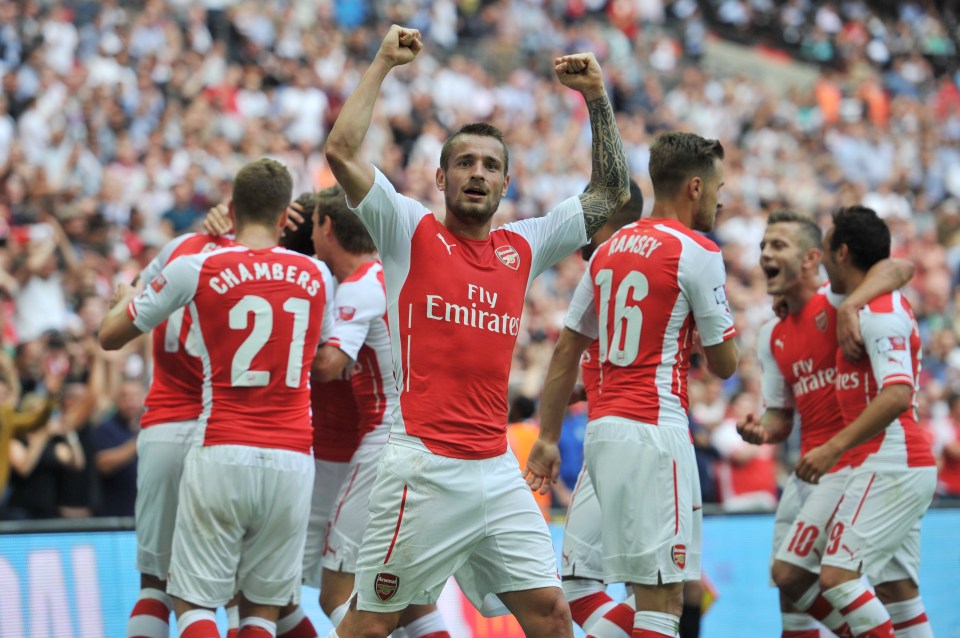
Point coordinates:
[[609, 186]]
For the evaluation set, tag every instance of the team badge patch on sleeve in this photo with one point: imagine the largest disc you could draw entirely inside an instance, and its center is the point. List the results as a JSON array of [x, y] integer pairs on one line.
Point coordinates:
[[509, 256], [386, 586], [680, 556], [158, 283], [346, 312]]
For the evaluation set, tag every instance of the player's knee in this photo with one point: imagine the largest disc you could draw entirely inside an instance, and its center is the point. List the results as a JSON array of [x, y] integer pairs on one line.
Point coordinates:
[[330, 600], [791, 580], [897, 591], [831, 577], [556, 619]]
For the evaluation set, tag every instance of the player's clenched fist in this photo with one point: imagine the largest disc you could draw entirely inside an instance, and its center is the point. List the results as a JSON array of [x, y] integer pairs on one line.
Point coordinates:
[[400, 45], [751, 430], [581, 72]]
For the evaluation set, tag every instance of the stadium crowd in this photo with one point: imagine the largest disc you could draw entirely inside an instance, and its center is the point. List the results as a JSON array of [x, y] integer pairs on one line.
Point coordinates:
[[121, 124]]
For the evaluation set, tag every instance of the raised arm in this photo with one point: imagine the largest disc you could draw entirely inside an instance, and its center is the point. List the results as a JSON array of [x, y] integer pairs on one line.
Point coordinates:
[[883, 277], [609, 187], [342, 150]]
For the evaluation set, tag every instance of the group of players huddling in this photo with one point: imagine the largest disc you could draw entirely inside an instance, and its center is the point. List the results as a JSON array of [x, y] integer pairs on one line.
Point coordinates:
[[390, 472]]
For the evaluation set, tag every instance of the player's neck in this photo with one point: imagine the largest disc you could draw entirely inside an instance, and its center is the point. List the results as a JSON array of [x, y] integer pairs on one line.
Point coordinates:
[[478, 231], [668, 209], [348, 263], [797, 299], [257, 237]]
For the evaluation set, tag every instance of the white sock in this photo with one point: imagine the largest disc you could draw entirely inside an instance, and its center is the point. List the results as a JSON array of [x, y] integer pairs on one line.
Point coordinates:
[[188, 618], [262, 623], [658, 622], [148, 619], [910, 619], [793, 621], [233, 617], [333, 634], [336, 616], [290, 621], [863, 611], [425, 625]]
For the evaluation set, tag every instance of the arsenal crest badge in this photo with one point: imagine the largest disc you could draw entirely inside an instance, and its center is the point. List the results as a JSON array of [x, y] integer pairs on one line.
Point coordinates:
[[509, 256], [821, 320], [386, 586], [680, 556]]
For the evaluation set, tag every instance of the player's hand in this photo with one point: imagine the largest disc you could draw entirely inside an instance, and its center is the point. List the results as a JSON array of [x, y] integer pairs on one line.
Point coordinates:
[[400, 46], [817, 462], [295, 216], [580, 72], [543, 466], [124, 293], [752, 431], [848, 332], [780, 306], [218, 221]]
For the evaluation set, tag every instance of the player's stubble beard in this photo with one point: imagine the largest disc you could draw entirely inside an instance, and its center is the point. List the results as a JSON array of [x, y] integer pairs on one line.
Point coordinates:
[[473, 214]]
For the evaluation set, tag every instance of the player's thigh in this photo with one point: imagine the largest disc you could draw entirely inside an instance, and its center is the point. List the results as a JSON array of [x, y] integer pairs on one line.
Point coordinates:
[[425, 519], [210, 526], [161, 452], [351, 511], [879, 512], [270, 566], [648, 527], [516, 553], [582, 554], [801, 540], [327, 480]]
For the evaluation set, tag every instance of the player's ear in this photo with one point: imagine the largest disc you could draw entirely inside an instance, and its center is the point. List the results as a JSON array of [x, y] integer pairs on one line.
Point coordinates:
[[695, 187], [506, 183], [283, 217], [441, 179]]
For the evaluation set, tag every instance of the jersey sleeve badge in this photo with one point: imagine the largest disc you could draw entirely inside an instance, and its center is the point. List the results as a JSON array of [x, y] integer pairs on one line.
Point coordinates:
[[509, 256]]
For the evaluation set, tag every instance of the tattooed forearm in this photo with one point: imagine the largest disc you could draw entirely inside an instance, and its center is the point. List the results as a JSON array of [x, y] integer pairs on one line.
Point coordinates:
[[609, 187]]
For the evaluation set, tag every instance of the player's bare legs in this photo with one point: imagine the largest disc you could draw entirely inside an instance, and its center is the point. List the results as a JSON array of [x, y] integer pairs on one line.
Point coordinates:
[[654, 602], [542, 612]]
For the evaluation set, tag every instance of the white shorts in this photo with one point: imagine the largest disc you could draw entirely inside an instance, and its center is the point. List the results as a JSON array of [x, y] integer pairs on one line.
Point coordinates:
[[582, 553], [877, 528], [352, 510], [161, 450], [652, 529], [327, 480], [241, 525], [432, 516], [803, 517]]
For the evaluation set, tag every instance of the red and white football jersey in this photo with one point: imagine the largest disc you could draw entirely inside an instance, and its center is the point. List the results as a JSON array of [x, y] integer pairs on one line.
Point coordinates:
[[892, 341], [360, 330], [177, 372], [798, 356], [454, 308], [336, 420], [259, 316], [590, 372], [645, 291]]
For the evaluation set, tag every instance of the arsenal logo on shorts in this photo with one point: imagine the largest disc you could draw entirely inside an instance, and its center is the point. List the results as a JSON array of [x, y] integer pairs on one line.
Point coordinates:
[[821, 321], [680, 556], [386, 586], [509, 256]]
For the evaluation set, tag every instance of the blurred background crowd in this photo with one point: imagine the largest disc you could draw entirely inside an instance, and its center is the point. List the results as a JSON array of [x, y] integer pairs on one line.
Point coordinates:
[[122, 122]]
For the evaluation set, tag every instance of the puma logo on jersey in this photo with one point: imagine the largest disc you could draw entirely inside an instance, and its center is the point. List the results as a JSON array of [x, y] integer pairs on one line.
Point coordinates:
[[509, 256], [449, 247], [778, 343]]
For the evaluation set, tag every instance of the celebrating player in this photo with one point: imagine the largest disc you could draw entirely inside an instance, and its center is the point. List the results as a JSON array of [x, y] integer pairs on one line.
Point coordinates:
[[448, 497], [643, 292], [798, 355], [876, 529], [245, 492]]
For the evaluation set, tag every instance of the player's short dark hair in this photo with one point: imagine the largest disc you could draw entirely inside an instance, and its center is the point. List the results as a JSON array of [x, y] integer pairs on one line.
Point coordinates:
[[629, 212], [301, 239], [261, 192], [810, 234], [477, 128], [865, 234], [677, 156], [347, 227]]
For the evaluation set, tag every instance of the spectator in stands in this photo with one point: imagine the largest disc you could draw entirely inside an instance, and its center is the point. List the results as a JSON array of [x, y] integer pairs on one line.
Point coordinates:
[[522, 431], [948, 461], [115, 442]]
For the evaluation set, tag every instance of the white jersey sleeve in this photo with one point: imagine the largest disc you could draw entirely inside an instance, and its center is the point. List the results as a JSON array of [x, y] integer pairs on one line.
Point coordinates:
[[358, 303], [887, 340], [330, 286], [773, 386], [553, 236], [834, 298], [161, 258], [172, 288], [582, 314], [704, 287], [389, 217]]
